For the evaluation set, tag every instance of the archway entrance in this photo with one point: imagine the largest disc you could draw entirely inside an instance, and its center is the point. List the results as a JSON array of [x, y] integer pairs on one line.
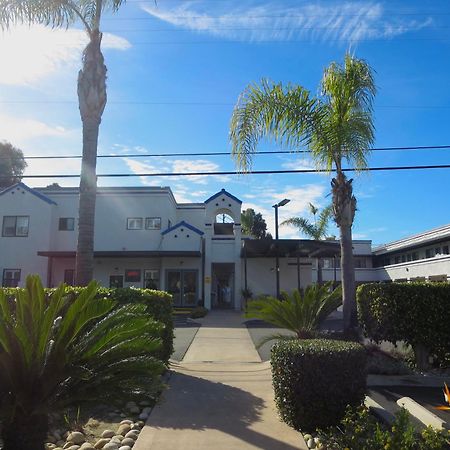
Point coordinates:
[[222, 295]]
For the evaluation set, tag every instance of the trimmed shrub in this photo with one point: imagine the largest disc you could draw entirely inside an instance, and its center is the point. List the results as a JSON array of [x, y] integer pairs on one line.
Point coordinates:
[[416, 313], [198, 312], [314, 380], [158, 306]]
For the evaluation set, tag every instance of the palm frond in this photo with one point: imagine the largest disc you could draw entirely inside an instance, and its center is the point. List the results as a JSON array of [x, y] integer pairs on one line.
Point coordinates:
[[303, 225], [269, 110]]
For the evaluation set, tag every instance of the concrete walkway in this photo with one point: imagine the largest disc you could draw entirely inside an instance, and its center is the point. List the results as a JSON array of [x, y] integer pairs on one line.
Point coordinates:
[[219, 397]]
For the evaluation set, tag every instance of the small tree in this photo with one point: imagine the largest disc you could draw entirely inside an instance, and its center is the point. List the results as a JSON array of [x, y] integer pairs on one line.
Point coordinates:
[[254, 224], [12, 164]]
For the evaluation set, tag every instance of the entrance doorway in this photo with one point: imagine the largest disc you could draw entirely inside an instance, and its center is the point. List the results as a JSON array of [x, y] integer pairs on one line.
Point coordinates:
[[182, 284], [222, 295]]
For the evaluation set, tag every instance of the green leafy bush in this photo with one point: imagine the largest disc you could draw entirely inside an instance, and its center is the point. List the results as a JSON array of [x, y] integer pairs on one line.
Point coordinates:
[[416, 313], [59, 349], [158, 306], [301, 314], [359, 430], [198, 312], [314, 380]]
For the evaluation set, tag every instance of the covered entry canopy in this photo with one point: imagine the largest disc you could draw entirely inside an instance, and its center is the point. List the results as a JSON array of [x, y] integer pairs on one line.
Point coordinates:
[[305, 248]]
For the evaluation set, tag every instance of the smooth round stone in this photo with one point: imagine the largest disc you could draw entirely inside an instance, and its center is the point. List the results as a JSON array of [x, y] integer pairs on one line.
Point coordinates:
[[140, 423], [133, 434], [108, 434], [122, 415], [73, 447], [101, 443], [307, 437], [144, 403], [129, 405], [126, 422], [58, 448], [76, 437], [87, 446], [311, 443], [143, 416], [50, 445], [51, 439], [124, 429], [128, 441], [147, 410], [118, 437], [111, 446], [61, 443], [134, 410], [125, 447], [136, 427], [67, 445], [116, 440]]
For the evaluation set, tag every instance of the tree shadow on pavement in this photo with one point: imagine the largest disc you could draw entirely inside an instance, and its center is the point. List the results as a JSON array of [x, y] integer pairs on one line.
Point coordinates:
[[198, 404]]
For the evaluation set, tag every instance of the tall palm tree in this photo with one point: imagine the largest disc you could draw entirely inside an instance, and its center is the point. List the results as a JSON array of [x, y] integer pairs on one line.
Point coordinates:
[[316, 230], [91, 97], [337, 126]]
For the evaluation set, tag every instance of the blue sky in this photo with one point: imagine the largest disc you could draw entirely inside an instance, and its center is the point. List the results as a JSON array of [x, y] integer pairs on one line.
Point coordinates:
[[176, 69]]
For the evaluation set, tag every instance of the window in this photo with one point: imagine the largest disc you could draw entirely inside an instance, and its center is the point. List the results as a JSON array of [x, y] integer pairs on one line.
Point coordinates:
[[415, 256], [116, 281], [360, 263], [69, 276], [134, 223], [11, 277], [429, 253], [151, 279], [15, 226], [153, 223], [397, 259], [132, 275], [403, 258], [445, 250], [66, 224], [437, 251]]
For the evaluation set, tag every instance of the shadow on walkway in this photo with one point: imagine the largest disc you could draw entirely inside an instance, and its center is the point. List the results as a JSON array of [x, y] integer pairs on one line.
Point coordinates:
[[228, 413]]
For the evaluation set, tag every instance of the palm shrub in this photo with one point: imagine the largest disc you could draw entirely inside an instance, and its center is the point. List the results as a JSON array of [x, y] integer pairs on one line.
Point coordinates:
[[58, 350], [301, 314]]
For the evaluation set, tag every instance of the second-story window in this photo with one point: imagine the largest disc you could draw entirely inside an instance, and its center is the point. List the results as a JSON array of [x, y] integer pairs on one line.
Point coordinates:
[[15, 226], [134, 223], [153, 223], [66, 224]]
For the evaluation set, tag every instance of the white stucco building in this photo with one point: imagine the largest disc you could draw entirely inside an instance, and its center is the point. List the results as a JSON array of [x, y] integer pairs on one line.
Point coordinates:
[[144, 238]]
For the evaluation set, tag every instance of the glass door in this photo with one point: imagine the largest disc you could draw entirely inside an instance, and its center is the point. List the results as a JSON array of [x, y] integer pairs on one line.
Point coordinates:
[[182, 284]]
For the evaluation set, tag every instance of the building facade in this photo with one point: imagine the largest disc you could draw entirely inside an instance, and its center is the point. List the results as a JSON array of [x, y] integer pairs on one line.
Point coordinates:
[[195, 251]]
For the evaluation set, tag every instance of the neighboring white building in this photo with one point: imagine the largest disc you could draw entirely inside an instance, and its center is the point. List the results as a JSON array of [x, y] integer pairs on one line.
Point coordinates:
[[144, 238]]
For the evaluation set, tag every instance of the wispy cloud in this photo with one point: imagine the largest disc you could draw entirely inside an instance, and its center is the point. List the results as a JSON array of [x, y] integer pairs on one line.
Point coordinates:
[[19, 130], [29, 54], [321, 21]]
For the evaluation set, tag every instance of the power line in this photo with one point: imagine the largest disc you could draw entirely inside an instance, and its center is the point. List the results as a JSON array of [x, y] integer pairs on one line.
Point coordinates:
[[180, 103], [267, 152], [235, 172]]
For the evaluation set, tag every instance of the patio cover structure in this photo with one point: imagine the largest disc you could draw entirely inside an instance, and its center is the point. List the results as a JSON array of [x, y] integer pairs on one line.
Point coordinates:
[[290, 248]]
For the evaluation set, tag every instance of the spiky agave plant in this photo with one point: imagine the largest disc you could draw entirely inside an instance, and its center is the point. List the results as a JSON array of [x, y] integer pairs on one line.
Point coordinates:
[[301, 314], [58, 350]]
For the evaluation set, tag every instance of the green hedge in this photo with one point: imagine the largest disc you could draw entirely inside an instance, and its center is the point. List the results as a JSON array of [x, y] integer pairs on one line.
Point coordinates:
[[416, 313], [159, 307], [314, 380]]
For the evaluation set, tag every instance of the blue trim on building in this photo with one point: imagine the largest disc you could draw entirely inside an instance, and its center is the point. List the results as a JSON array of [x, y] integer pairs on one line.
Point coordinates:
[[224, 192], [183, 224], [30, 190]]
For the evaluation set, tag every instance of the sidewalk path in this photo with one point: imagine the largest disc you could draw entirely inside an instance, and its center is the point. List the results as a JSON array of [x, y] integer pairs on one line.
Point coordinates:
[[219, 397]]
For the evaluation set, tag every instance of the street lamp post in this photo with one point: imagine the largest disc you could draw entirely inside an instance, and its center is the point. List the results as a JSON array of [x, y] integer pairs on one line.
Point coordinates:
[[283, 202]]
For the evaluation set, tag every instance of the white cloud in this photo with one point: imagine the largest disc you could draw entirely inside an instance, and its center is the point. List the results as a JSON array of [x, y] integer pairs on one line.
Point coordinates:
[[321, 21], [29, 54], [19, 130], [50, 167], [299, 198]]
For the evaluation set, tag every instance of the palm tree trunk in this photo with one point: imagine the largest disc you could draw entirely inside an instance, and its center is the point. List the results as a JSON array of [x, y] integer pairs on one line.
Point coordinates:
[[92, 101], [344, 206], [25, 432]]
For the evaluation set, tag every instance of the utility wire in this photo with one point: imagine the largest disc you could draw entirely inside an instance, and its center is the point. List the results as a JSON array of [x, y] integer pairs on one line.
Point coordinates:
[[268, 152], [235, 172]]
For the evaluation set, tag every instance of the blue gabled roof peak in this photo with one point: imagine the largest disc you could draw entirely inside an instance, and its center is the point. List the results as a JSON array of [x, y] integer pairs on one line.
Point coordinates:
[[224, 192], [183, 224], [30, 190]]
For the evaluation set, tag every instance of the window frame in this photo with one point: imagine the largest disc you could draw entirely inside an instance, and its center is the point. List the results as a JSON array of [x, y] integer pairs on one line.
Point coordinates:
[[135, 279], [15, 226], [156, 281], [136, 219], [15, 279], [155, 218], [66, 219]]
